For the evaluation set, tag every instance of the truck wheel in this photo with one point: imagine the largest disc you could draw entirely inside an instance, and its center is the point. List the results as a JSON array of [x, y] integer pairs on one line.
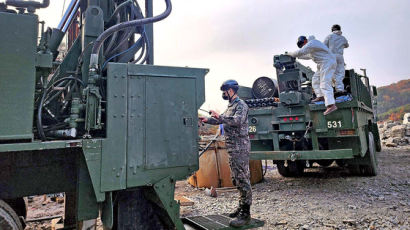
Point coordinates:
[[325, 163], [8, 218], [355, 170], [341, 163], [370, 169], [294, 168], [134, 211], [20, 208]]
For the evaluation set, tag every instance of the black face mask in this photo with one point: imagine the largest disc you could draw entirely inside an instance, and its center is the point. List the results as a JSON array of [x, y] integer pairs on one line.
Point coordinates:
[[225, 96]]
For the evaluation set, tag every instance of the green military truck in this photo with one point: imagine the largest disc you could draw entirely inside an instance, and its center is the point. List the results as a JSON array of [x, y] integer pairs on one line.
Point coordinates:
[[295, 134]]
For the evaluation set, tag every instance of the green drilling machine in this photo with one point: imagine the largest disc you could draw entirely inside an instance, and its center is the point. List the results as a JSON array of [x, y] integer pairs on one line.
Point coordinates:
[[295, 134], [100, 122]]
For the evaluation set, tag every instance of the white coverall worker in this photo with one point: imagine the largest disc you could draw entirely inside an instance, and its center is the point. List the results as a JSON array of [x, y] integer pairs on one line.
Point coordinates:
[[326, 62], [336, 43]]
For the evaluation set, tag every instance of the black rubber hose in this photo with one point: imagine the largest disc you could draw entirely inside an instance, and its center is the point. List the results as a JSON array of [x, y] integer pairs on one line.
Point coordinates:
[[39, 117], [40, 106], [109, 50], [49, 98], [100, 40], [119, 7], [124, 39], [142, 51], [61, 80], [112, 40], [66, 78]]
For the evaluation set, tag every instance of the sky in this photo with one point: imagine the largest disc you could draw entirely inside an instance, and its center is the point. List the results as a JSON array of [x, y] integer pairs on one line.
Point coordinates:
[[236, 39]]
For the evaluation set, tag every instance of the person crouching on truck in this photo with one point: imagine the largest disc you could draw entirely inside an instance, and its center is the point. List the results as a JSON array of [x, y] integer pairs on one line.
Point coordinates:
[[235, 123], [322, 79]]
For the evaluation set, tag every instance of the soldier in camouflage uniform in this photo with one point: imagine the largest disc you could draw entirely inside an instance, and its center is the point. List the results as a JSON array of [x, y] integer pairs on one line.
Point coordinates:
[[235, 123]]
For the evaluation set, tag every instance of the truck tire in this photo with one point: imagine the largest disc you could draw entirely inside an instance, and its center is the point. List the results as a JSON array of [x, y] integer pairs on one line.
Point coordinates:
[[134, 211], [341, 163], [355, 170], [8, 218], [294, 168], [370, 169]]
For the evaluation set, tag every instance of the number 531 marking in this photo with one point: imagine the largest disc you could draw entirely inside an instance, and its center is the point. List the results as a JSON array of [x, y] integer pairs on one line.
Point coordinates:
[[334, 124]]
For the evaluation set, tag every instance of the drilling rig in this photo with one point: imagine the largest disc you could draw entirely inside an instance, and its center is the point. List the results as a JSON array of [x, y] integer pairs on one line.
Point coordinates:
[[100, 123]]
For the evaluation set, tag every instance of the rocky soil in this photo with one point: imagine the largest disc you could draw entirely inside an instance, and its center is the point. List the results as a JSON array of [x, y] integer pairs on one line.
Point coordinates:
[[325, 198], [393, 134]]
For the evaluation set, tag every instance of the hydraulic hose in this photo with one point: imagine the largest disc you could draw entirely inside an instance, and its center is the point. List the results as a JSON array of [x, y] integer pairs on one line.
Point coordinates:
[[39, 117], [109, 50], [100, 40], [119, 7], [112, 39], [142, 53], [124, 39], [126, 35]]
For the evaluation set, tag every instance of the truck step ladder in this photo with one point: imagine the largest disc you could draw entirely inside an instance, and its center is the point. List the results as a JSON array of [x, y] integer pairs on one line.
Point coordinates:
[[216, 222]]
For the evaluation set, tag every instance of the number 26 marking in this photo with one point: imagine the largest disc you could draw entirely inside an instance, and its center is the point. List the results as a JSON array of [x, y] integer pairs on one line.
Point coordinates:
[[252, 129], [334, 124]]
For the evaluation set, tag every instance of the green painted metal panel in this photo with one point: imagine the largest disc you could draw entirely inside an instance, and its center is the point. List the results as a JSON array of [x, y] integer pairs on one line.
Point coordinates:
[[37, 145], [175, 72], [351, 142], [302, 155], [44, 60], [162, 114], [156, 107], [165, 190], [113, 161], [342, 119], [136, 125], [70, 61], [92, 156], [18, 40], [171, 122], [87, 206], [107, 211]]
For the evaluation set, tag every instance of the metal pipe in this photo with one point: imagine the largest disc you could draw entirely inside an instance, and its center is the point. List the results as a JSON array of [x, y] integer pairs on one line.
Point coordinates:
[[149, 12], [71, 16], [58, 33], [66, 14], [24, 4]]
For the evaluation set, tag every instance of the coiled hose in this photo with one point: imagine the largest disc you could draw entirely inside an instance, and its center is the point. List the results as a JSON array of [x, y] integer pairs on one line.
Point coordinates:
[[139, 22]]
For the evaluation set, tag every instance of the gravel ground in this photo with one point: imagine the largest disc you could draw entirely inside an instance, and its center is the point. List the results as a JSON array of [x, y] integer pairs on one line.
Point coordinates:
[[325, 198]]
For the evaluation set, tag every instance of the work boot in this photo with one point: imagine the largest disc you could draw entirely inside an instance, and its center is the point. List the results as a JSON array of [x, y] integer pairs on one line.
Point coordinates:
[[236, 212], [318, 99], [330, 108], [340, 93], [243, 218]]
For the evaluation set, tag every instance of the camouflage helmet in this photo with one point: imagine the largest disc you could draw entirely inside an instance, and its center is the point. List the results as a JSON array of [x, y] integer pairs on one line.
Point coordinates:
[[230, 84]]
